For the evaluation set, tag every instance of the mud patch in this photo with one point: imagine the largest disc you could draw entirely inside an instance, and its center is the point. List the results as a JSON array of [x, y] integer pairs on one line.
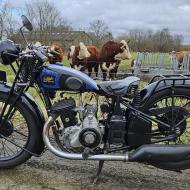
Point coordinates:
[[52, 173]]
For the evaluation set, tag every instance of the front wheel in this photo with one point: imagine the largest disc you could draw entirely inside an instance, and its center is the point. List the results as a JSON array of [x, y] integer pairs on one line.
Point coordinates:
[[18, 129]]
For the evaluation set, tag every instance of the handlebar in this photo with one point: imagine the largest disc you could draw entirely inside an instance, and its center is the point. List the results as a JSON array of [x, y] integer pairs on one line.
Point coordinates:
[[7, 53], [35, 52], [41, 56], [46, 49], [54, 52], [42, 52]]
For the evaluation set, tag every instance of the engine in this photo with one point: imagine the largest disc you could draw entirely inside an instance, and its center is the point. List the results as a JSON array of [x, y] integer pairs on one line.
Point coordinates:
[[86, 134]]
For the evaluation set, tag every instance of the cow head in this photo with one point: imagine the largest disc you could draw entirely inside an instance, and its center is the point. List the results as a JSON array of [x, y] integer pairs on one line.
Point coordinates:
[[124, 51], [83, 51], [70, 54], [37, 44], [77, 63], [56, 54]]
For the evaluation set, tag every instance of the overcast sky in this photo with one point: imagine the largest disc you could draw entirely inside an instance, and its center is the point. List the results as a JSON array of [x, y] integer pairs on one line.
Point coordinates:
[[123, 15]]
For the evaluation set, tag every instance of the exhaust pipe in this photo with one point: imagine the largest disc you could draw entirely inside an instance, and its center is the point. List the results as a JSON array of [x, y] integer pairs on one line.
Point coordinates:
[[74, 156], [160, 153], [152, 154]]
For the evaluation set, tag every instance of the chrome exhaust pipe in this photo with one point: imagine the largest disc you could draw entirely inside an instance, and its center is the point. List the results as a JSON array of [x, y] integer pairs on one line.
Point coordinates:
[[74, 156]]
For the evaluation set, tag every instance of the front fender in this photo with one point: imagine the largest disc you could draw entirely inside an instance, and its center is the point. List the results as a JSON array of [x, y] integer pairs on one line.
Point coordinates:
[[28, 101], [163, 85]]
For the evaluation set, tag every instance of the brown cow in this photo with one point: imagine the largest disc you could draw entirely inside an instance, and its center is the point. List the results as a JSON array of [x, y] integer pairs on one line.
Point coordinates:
[[55, 54], [180, 55], [70, 55], [85, 57], [111, 54]]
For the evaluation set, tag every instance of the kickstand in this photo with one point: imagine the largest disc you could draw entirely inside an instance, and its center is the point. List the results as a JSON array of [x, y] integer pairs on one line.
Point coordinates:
[[101, 163]]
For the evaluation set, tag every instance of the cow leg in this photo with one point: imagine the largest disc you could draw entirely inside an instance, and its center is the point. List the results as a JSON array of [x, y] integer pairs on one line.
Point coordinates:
[[89, 71], [72, 66], [104, 69], [96, 68], [115, 72], [111, 74], [112, 71], [104, 73]]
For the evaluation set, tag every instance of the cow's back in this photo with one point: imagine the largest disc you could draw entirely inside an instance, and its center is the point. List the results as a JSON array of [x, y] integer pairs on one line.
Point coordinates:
[[94, 52], [108, 51]]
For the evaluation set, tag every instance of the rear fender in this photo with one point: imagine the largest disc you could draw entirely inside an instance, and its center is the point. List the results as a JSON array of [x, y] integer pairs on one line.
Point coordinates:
[[34, 109], [164, 85]]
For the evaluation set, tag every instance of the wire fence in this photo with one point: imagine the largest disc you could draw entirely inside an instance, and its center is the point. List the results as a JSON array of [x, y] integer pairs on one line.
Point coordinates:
[[160, 63], [146, 66]]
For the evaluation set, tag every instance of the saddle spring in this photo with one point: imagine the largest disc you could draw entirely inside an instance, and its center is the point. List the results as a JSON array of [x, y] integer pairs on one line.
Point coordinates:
[[137, 99]]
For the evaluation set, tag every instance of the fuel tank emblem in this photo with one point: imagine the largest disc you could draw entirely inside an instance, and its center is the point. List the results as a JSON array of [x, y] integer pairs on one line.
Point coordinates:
[[49, 79]]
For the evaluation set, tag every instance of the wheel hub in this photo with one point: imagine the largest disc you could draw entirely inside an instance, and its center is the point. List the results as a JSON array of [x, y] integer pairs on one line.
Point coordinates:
[[172, 119], [6, 129]]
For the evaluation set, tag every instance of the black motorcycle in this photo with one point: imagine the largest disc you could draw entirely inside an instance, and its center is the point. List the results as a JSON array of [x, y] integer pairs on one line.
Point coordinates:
[[105, 121]]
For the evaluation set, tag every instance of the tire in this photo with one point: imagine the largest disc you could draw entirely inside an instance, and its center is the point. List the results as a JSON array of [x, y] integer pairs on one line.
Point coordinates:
[[32, 139], [179, 92]]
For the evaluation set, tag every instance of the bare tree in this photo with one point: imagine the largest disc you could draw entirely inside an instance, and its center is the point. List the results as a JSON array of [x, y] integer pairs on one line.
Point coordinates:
[[46, 18], [7, 22], [177, 42], [100, 32], [158, 41]]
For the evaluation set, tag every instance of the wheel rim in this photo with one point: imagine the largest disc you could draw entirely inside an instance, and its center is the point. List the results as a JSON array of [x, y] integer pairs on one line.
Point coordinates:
[[181, 108], [19, 134]]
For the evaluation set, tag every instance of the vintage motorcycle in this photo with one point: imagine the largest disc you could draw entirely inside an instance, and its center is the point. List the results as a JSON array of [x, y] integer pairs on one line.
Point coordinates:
[[118, 122]]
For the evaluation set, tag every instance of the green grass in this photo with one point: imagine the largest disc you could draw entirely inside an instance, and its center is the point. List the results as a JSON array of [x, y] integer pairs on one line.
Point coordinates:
[[32, 91], [126, 64]]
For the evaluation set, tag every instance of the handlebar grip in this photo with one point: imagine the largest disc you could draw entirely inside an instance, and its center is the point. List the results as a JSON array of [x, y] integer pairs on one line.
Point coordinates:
[[7, 53], [41, 56], [54, 52]]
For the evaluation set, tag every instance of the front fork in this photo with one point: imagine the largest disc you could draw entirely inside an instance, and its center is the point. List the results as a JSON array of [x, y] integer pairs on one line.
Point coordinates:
[[11, 92]]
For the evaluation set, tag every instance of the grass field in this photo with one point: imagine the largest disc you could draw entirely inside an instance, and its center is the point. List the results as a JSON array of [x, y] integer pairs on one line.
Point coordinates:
[[125, 65]]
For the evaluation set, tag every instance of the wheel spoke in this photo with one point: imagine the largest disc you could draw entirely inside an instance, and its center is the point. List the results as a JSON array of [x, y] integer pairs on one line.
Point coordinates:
[[180, 108], [15, 129]]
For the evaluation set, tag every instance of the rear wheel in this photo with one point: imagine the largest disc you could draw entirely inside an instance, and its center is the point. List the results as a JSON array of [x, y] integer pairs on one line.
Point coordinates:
[[19, 129], [171, 109]]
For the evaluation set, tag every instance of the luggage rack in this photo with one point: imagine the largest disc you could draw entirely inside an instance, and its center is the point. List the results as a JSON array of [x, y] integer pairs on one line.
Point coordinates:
[[169, 77], [168, 80]]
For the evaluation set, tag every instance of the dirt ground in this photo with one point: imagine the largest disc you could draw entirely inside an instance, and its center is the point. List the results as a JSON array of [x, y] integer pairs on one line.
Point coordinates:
[[52, 173]]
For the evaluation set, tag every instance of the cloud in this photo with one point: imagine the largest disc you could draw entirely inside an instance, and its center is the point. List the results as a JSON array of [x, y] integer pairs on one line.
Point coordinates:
[[124, 15]]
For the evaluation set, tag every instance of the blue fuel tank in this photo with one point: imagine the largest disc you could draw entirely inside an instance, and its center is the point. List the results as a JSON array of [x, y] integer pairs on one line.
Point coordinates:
[[59, 77]]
